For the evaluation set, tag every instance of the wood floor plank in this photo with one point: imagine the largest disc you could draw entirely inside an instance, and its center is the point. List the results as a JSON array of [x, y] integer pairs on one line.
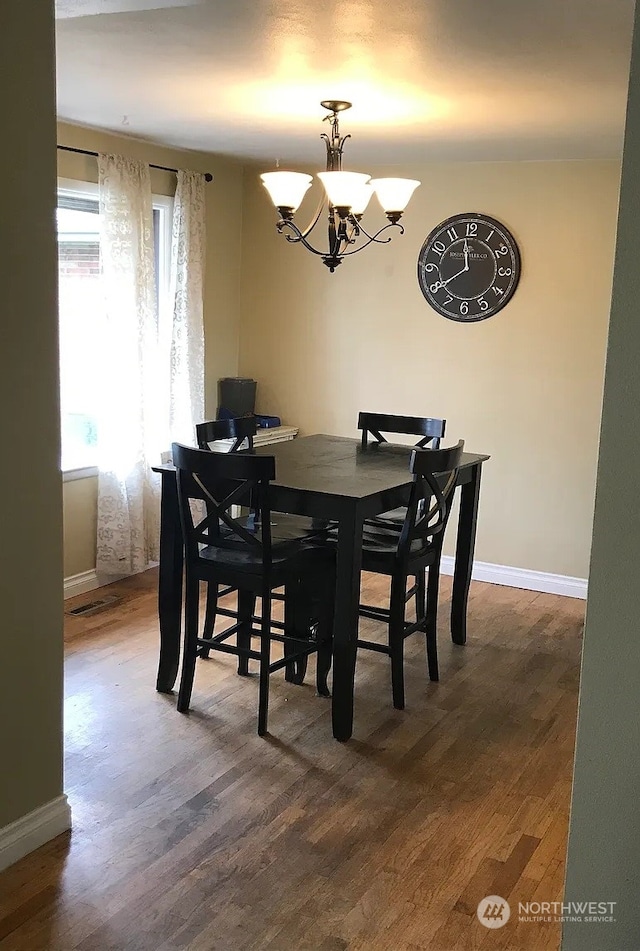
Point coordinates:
[[193, 834]]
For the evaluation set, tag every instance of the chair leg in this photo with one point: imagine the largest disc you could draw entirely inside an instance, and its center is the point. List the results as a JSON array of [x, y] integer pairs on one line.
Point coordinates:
[[294, 624], [432, 620], [324, 634], [246, 608], [396, 639], [421, 596], [265, 660], [209, 615], [323, 664], [192, 607]]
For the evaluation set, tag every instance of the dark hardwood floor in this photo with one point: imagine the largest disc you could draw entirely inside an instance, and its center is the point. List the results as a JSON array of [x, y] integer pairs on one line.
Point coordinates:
[[190, 832]]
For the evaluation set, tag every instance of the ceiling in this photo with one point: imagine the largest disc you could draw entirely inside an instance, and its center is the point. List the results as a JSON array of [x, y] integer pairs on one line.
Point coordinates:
[[429, 79]]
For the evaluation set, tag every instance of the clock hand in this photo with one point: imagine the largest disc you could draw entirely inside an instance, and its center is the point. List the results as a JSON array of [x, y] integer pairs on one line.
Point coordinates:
[[439, 284], [457, 274]]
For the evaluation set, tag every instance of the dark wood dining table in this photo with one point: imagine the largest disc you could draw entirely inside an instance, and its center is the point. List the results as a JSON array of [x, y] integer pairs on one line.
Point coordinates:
[[326, 477]]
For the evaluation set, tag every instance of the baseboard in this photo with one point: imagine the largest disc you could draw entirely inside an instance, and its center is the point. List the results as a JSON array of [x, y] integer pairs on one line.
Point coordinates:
[[482, 571], [79, 584], [522, 578], [33, 830]]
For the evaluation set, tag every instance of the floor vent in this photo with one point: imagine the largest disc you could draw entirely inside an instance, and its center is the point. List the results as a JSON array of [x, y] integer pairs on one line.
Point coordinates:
[[92, 607]]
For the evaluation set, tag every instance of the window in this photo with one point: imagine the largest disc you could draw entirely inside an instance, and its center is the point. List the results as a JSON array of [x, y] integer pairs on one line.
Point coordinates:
[[81, 306]]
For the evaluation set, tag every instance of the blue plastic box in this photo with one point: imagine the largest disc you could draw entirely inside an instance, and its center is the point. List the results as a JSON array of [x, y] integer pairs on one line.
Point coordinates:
[[268, 422]]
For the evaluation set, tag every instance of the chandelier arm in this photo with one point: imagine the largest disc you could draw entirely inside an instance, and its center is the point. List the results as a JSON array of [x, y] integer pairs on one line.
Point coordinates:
[[393, 224], [333, 234], [335, 251], [314, 221], [298, 236], [374, 238]]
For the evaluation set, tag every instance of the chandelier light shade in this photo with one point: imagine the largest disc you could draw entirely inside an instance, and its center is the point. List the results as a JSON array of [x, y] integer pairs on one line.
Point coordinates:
[[394, 193], [347, 195], [287, 189], [343, 188]]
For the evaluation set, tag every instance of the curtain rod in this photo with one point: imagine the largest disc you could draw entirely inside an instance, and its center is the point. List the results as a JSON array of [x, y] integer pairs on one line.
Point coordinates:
[[208, 177]]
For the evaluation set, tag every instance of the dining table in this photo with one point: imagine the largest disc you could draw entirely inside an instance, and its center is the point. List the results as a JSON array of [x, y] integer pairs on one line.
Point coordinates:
[[337, 479]]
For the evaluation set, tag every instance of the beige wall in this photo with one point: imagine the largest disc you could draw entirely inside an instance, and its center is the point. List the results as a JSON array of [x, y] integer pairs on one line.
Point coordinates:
[[80, 507], [603, 862], [221, 308], [524, 386], [30, 490]]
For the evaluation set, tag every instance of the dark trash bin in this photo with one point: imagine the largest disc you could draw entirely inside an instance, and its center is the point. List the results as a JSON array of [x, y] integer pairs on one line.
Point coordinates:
[[236, 396]]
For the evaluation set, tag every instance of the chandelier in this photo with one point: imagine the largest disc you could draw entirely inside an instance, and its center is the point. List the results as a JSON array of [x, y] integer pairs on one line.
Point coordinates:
[[347, 195]]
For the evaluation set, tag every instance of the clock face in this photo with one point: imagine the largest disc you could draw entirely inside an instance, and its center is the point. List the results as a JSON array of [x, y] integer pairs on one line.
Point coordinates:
[[469, 267]]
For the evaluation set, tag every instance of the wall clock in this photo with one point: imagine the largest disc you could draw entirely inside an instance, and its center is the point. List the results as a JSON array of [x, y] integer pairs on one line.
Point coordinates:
[[469, 267]]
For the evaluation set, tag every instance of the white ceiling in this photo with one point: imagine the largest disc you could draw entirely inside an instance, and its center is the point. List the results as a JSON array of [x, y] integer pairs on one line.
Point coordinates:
[[429, 79]]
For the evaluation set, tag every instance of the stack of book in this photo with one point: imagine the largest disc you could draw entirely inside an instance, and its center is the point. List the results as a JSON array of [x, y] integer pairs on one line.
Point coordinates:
[[263, 437]]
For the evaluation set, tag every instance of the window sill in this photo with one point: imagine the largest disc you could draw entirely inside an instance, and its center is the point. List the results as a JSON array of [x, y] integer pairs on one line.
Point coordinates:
[[72, 475]]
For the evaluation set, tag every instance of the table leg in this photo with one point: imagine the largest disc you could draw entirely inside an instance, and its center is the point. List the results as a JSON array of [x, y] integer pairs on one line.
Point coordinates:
[[465, 545], [169, 585], [349, 560]]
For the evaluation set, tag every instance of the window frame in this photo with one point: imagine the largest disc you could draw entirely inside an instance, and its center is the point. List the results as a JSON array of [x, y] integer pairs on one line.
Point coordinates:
[[161, 203]]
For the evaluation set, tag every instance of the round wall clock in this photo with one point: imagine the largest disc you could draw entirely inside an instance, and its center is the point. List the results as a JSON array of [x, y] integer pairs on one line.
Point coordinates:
[[469, 267]]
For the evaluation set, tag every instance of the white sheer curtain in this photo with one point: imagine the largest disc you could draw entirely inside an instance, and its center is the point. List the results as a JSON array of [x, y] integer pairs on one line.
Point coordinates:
[[129, 427], [186, 348]]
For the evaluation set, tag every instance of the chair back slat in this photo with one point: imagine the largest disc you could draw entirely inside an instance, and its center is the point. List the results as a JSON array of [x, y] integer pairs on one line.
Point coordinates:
[[241, 430], [431, 430], [435, 474], [221, 481]]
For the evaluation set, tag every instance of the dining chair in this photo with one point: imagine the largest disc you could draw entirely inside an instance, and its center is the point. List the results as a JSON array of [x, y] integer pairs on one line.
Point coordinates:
[[431, 431], [415, 548], [254, 556], [241, 431]]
